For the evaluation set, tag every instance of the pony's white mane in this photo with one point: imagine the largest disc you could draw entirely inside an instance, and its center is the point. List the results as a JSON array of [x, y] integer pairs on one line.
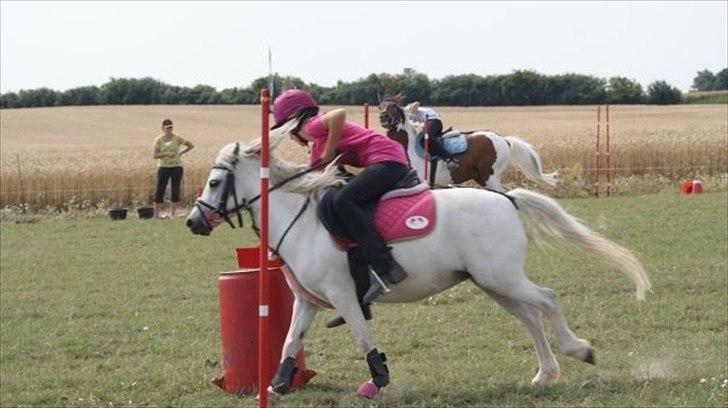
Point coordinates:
[[280, 168]]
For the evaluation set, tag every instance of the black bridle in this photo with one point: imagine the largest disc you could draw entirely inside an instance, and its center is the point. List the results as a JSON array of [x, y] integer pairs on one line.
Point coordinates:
[[245, 204], [228, 188]]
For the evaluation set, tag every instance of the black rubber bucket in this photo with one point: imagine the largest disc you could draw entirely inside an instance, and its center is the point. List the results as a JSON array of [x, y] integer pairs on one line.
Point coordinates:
[[117, 213], [145, 212]]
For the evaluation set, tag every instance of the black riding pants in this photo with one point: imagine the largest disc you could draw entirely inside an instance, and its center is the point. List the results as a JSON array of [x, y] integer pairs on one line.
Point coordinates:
[[362, 193], [437, 147], [165, 174]]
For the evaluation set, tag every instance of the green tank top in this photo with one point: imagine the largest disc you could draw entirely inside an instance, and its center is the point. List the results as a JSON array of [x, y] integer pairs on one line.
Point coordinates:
[[172, 146]]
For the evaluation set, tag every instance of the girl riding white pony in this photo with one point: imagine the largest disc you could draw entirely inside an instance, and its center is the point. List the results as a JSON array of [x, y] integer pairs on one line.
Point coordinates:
[[479, 236]]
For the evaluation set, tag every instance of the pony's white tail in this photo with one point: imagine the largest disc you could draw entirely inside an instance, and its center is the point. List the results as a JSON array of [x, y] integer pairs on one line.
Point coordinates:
[[546, 217], [528, 161]]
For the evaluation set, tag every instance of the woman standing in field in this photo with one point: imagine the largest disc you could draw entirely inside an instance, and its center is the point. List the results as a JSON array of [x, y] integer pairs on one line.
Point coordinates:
[[169, 166]]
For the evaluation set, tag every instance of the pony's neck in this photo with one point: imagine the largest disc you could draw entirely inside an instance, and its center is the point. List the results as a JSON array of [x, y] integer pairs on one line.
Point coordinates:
[[283, 206]]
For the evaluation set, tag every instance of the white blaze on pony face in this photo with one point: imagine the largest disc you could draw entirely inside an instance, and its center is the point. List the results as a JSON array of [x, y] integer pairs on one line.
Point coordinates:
[[202, 219], [212, 194]]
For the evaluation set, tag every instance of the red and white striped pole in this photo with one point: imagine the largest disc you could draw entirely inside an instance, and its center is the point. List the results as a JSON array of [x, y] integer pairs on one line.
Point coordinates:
[[596, 153], [366, 115], [426, 131], [609, 171], [263, 291]]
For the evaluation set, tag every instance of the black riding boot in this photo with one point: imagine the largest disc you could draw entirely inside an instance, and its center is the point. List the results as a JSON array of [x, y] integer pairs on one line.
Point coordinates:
[[389, 271], [359, 270], [438, 150], [433, 171]]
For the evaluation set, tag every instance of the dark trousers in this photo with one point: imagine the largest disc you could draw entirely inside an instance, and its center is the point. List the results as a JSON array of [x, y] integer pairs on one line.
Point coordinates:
[[165, 174], [437, 148], [354, 202]]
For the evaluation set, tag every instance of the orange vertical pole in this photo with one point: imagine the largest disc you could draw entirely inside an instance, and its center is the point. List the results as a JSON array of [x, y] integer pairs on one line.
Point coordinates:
[[366, 115], [609, 170], [596, 153], [263, 290]]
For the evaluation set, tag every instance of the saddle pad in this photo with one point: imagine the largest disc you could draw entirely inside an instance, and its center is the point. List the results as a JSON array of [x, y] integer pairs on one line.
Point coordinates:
[[405, 217], [396, 216], [454, 144]]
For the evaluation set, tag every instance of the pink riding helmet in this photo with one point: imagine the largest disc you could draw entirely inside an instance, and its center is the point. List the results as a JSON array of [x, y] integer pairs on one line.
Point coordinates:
[[289, 103]]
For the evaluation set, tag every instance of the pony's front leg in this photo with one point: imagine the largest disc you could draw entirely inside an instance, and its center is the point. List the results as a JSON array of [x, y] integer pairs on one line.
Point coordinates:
[[303, 314], [349, 309]]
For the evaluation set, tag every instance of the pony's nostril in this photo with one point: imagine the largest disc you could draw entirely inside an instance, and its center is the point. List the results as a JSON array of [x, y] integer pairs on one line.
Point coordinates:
[[189, 223]]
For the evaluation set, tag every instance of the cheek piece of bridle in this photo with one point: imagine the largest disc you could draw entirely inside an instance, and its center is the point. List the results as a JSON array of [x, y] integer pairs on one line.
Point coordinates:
[[228, 189]]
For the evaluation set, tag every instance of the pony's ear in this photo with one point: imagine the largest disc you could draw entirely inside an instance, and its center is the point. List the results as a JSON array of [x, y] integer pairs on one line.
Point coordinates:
[[399, 97], [379, 98]]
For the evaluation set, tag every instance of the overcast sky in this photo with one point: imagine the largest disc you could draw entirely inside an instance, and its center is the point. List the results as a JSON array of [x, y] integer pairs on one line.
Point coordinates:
[[62, 45]]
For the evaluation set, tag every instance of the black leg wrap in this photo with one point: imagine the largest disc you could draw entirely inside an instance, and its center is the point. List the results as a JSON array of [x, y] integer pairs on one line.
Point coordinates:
[[281, 382], [379, 370]]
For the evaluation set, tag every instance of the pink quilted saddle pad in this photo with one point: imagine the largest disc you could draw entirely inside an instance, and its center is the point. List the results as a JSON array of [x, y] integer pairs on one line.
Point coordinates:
[[402, 214]]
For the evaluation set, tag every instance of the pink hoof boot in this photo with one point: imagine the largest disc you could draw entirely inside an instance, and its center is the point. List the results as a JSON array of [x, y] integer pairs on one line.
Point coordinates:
[[367, 389]]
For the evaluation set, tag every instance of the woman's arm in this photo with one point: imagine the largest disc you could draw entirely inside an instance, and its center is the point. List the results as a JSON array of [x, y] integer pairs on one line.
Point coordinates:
[[188, 146], [334, 123], [158, 154]]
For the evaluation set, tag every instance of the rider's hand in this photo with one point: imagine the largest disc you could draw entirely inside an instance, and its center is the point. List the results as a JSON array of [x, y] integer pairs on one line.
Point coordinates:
[[327, 156]]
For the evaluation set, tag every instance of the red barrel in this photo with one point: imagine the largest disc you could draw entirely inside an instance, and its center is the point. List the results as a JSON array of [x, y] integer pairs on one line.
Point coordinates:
[[697, 187], [687, 186], [238, 294]]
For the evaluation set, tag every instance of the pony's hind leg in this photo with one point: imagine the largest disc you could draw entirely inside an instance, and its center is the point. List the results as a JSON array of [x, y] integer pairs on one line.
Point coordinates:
[[548, 367], [517, 287], [303, 314]]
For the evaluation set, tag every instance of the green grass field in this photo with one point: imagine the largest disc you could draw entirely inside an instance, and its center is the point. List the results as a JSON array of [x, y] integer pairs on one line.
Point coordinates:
[[102, 313]]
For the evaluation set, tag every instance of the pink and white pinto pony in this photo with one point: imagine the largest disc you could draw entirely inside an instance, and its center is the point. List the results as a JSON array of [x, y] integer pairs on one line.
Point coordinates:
[[489, 250]]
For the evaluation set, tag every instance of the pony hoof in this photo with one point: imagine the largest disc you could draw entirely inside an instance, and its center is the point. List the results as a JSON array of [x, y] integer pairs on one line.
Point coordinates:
[[590, 357], [273, 397], [367, 390]]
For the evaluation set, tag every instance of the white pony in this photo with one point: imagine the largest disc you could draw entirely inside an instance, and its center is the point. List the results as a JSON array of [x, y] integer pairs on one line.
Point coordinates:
[[485, 161], [489, 250]]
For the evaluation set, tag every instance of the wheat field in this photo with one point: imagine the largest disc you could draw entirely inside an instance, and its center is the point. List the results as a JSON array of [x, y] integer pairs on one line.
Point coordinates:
[[74, 157]]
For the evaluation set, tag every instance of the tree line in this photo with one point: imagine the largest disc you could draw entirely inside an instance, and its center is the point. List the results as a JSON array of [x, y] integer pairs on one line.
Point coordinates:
[[708, 81], [519, 88]]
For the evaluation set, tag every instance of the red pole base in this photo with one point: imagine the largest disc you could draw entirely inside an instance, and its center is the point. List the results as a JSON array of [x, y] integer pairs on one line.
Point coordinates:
[[238, 294]]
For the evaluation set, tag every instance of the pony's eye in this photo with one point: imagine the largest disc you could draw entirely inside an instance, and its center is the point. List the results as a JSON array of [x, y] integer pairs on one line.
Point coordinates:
[[214, 183]]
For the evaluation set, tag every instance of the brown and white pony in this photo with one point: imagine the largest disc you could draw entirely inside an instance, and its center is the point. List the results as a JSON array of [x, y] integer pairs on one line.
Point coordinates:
[[487, 157]]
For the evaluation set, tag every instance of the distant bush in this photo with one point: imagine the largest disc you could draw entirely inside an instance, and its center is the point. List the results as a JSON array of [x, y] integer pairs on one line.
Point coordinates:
[[662, 93], [622, 90], [708, 81]]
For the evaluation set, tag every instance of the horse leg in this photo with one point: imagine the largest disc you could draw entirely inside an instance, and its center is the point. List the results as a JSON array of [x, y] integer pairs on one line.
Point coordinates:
[[548, 367], [303, 314], [349, 309], [545, 300]]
